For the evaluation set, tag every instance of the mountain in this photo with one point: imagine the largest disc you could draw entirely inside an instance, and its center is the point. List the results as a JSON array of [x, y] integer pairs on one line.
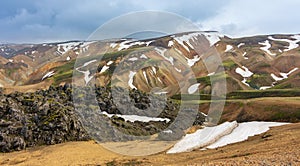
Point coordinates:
[[261, 74], [250, 63]]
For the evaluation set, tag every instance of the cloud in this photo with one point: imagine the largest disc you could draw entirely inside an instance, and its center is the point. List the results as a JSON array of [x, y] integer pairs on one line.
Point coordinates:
[[244, 18], [55, 20]]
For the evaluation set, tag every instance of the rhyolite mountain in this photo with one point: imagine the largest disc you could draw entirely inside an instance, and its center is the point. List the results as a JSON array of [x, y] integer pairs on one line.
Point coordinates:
[[37, 108], [250, 63]]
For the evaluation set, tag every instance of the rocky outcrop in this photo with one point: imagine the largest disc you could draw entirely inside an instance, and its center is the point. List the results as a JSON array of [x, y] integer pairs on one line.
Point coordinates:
[[47, 117]]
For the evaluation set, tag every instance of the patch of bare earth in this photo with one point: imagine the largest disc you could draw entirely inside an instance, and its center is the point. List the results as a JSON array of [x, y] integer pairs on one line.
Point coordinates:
[[278, 146]]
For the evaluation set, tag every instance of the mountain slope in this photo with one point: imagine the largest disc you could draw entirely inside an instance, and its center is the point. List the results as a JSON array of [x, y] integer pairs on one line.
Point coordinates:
[[251, 63]]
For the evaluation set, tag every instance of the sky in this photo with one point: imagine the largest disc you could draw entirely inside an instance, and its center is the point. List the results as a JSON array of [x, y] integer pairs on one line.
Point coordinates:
[[36, 21]]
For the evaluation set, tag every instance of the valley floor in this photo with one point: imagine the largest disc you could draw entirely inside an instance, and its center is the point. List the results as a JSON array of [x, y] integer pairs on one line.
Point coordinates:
[[278, 146]]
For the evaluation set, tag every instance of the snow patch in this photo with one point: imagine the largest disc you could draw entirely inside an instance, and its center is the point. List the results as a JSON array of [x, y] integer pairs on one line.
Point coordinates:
[[168, 131], [178, 70], [144, 56], [203, 137], [89, 62], [162, 53], [145, 76], [292, 43], [109, 63], [104, 68], [133, 59], [65, 47], [266, 47], [68, 58], [154, 69], [87, 77], [228, 48], [133, 118], [113, 45], [240, 45], [244, 81], [265, 87], [192, 89], [171, 43], [244, 55], [191, 62], [245, 72], [210, 74], [129, 43], [284, 75], [130, 81], [213, 37], [243, 131], [47, 75]]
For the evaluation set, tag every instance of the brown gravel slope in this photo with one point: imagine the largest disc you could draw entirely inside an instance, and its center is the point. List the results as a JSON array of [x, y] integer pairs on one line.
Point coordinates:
[[279, 146]]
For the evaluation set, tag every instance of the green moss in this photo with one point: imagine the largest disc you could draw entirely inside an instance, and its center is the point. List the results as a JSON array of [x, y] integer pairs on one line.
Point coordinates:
[[229, 64], [266, 93]]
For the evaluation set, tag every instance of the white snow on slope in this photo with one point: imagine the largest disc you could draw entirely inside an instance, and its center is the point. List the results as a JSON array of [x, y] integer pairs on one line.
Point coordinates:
[[89, 62], [240, 45], [228, 48], [292, 43], [133, 118], [109, 63], [244, 81], [130, 81], [192, 89], [65, 47], [68, 58], [243, 132], [162, 53], [245, 72], [178, 70], [85, 45], [184, 40], [104, 68], [244, 55], [191, 62], [149, 42], [129, 43], [133, 59], [144, 56], [171, 43], [113, 45], [213, 37], [168, 131], [203, 137], [284, 75], [210, 74], [154, 69], [87, 77], [47, 75], [265, 87], [266, 47], [145, 76], [276, 78]]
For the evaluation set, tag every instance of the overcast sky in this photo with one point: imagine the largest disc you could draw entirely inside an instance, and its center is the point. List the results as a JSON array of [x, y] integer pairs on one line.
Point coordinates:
[[35, 21]]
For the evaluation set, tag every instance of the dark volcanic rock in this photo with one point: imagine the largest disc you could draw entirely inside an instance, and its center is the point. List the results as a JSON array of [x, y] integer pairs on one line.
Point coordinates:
[[40, 118], [48, 117]]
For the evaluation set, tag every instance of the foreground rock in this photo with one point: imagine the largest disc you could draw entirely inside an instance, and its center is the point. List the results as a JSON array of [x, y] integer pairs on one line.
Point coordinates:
[[48, 117]]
